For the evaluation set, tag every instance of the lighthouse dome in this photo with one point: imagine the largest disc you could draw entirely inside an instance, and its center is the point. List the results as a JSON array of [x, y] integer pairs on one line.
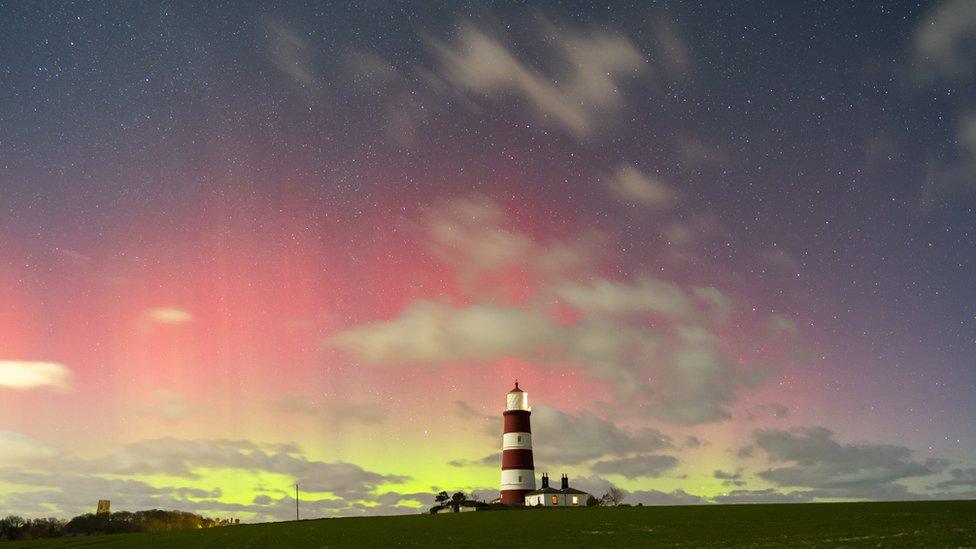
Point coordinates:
[[517, 399]]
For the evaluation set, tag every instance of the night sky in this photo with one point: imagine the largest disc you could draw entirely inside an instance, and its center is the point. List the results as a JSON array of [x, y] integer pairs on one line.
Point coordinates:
[[726, 248]]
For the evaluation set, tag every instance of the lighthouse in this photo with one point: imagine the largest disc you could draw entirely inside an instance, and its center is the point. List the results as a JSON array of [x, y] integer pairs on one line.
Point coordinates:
[[518, 470]]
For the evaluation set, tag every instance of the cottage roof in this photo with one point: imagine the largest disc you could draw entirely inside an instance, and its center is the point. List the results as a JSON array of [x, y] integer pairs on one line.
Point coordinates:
[[546, 490]]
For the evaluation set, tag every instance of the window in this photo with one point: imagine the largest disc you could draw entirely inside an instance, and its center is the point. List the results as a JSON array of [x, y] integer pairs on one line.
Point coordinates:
[[555, 500], [575, 500], [520, 478], [520, 438]]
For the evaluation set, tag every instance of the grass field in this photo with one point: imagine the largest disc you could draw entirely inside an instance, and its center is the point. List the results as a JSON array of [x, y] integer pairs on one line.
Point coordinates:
[[907, 524]]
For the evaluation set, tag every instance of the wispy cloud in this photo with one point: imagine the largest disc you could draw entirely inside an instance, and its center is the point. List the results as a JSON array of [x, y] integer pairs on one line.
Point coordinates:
[[675, 366], [633, 186], [170, 315], [653, 465], [25, 375], [944, 48], [166, 405], [291, 53], [598, 61], [18, 448], [944, 39], [368, 413]]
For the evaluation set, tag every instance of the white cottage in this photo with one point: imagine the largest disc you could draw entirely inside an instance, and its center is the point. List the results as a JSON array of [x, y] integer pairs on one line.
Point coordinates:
[[564, 496]]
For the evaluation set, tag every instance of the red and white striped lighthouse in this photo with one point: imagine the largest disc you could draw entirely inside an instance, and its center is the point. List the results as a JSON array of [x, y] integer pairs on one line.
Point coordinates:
[[518, 470]]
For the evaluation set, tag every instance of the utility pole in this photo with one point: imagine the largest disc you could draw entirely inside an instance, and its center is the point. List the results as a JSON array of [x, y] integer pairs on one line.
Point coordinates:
[[296, 503]]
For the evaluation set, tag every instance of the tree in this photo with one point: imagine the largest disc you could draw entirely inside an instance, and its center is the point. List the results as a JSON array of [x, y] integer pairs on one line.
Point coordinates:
[[11, 527], [442, 498], [613, 497], [592, 501], [456, 500]]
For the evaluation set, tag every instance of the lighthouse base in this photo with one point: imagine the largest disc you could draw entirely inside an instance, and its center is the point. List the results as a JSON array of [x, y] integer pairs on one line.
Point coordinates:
[[514, 497]]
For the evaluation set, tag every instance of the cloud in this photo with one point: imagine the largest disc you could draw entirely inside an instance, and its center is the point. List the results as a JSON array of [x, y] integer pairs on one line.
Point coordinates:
[[637, 188], [833, 469], [690, 234], [768, 495], [675, 52], [778, 258], [170, 315], [657, 497], [700, 383], [653, 465], [367, 413], [651, 342], [370, 71], [436, 333], [403, 106], [960, 478], [760, 411], [491, 460], [489, 423], [945, 41], [780, 324], [721, 305], [17, 447], [71, 484], [730, 479], [944, 49], [485, 66], [647, 295], [370, 413], [291, 53], [24, 375], [597, 486], [475, 236], [70, 494], [689, 381], [779, 410], [566, 438], [694, 152], [955, 178], [563, 438], [183, 458], [570, 78], [167, 405], [73, 494]]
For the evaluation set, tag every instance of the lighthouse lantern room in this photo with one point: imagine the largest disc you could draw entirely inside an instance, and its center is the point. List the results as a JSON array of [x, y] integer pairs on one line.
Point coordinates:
[[518, 469]]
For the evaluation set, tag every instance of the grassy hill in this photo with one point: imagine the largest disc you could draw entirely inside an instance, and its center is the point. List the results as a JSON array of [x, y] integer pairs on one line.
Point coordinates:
[[929, 524]]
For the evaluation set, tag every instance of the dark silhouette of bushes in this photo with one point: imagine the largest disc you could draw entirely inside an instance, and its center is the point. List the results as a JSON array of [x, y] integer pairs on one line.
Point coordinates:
[[18, 528]]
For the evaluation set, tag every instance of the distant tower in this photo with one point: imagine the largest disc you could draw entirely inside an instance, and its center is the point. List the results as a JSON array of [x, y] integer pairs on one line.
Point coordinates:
[[103, 507], [518, 470]]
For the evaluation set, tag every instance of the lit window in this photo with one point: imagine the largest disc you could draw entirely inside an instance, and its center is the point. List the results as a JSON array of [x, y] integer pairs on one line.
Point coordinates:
[[575, 500], [555, 500]]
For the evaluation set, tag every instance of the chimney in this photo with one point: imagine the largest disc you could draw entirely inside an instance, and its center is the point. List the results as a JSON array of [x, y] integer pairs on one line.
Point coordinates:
[[545, 480], [565, 483]]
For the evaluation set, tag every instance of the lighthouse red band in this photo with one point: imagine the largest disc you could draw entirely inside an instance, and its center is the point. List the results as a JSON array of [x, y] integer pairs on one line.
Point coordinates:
[[518, 469]]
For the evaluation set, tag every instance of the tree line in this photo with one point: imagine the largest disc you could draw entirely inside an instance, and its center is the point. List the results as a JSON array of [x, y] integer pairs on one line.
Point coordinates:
[[18, 528]]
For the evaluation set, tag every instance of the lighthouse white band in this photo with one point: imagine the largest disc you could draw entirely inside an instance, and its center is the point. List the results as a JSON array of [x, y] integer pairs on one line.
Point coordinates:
[[517, 441], [518, 401], [518, 479]]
